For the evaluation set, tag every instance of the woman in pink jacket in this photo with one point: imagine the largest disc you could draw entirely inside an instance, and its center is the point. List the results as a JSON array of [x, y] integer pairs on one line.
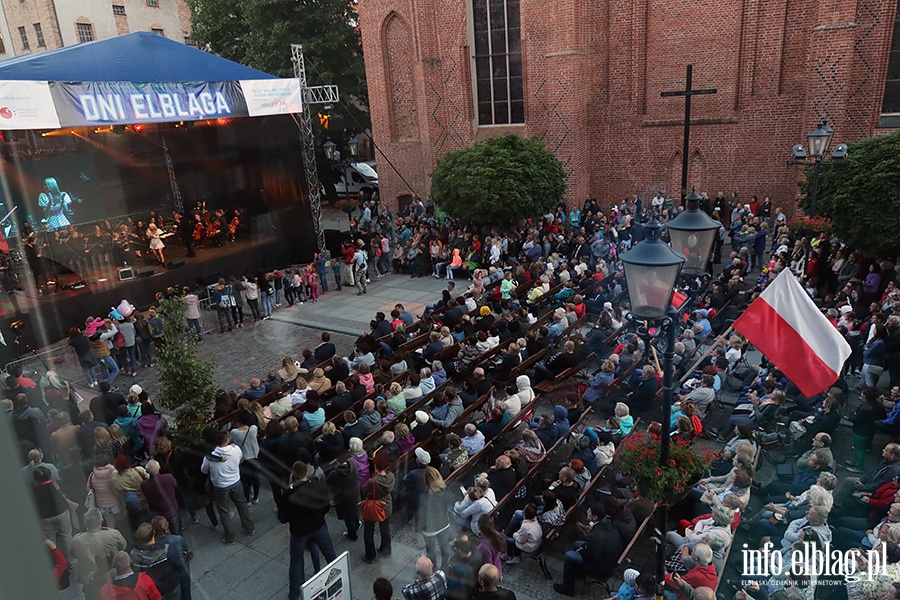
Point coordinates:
[[455, 263], [106, 497]]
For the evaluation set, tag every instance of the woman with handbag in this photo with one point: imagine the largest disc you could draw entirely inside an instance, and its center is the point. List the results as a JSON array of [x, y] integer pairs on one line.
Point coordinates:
[[377, 507]]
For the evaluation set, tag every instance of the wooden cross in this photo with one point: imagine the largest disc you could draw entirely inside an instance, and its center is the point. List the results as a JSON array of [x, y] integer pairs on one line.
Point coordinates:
[[687, 92]]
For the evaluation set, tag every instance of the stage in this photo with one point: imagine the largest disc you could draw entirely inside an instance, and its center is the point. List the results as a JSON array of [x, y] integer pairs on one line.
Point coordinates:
[[47, 317]]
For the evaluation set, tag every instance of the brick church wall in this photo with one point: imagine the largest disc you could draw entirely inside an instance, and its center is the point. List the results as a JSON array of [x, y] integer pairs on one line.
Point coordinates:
[[593, 76]]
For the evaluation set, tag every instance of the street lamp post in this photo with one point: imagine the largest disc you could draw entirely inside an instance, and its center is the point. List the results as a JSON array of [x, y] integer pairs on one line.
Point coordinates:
[[652, 269], [335, 157], [819, 141]]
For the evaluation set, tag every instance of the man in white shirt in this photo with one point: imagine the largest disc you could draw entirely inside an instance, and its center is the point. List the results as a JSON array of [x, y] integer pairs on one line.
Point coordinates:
[[223, 467]]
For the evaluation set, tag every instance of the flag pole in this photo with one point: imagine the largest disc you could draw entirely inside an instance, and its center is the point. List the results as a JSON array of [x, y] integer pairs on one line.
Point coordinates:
[[705, 354]]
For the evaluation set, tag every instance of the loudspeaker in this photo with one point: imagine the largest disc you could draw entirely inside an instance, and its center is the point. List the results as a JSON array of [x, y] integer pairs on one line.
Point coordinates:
[[333, 242], [209, 279], [126, 274], [175, 264], [148, 272]]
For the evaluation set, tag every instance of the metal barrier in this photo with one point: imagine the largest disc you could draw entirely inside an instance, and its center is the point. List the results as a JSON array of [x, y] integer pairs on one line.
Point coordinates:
[[62, 359], [209, 322]]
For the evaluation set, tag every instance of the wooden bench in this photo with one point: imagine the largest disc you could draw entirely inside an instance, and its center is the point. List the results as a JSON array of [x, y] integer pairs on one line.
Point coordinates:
[[625, 556], [549, 385], [475, 458], [533, 470]]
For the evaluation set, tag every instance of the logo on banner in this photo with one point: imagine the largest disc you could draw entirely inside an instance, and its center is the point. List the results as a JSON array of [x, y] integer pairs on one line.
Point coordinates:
[[27, 105], [161, 105]]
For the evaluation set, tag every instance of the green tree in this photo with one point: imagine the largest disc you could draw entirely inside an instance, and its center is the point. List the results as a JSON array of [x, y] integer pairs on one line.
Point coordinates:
[[861, 195], [500, 179], [188, 383], [259, 33]]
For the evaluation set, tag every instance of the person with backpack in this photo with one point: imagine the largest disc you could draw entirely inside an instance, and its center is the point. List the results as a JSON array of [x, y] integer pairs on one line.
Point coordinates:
[[223, 300]]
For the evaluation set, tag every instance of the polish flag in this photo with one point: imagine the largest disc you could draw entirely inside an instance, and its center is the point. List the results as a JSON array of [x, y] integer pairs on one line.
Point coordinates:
[[787, 326]]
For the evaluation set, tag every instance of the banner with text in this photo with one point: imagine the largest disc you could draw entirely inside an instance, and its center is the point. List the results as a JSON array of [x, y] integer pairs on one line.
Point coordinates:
[[122, 102], [271, 96], [27, 105]]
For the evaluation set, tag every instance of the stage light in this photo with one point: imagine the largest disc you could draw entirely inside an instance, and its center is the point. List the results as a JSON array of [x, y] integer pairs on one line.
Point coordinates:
[[223, 121], [138, 127]]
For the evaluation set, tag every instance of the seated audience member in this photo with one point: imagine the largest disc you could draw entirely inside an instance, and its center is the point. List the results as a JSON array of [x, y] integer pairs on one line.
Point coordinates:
[[597, 555]]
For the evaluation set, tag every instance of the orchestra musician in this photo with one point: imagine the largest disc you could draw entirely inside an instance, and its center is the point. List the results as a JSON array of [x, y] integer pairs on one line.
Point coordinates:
[[32, 250]]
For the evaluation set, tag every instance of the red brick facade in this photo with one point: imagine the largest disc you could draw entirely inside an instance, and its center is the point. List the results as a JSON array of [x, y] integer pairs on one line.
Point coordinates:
[[593, 75]]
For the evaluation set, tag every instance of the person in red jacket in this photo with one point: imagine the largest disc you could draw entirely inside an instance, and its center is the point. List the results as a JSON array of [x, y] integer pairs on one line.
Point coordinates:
[[702, 575], [128, 585], [347, 252]]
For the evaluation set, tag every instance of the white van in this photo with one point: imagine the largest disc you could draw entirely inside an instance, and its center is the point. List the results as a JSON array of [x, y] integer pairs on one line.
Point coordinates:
[[363, 179]]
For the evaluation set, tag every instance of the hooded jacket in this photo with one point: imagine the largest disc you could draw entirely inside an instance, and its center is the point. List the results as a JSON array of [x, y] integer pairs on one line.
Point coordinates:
[[344, 483], [224, 469], [561, 420], [304, 506], [371, 421], [524, 393], [162, 565]]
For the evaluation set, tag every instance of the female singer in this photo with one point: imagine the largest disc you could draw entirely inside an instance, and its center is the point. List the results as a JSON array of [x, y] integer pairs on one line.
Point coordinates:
[[156, 243]]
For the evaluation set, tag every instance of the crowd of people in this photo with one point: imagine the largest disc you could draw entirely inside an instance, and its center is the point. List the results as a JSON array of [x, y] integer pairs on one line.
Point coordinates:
[[472, 394]]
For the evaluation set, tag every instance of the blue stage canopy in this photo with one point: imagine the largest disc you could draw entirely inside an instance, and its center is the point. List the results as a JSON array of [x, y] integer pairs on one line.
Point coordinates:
[[135, 57]]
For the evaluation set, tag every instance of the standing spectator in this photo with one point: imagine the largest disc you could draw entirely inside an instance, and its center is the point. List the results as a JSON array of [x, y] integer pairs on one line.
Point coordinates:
[[246, 437], [100, 482], [864, 418], [222, 300], [303, 507], [344, 483], [127, 583], [360, 268], [160, 490], [82, 346], [379, 488], [251, 295], [433, 517], [429, 584], [91, 550], [53, 510], [223, 467], [191, 313], [163, 562], [151, 424], [382, 589], [488, 582]]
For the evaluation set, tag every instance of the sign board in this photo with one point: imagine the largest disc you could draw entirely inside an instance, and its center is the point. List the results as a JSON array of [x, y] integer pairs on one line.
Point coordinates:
[[55, 104], [331, 583]]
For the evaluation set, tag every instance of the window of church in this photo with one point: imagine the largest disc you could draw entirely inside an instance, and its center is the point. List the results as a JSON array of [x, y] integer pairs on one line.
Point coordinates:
[[499, 94], [891, 102]]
